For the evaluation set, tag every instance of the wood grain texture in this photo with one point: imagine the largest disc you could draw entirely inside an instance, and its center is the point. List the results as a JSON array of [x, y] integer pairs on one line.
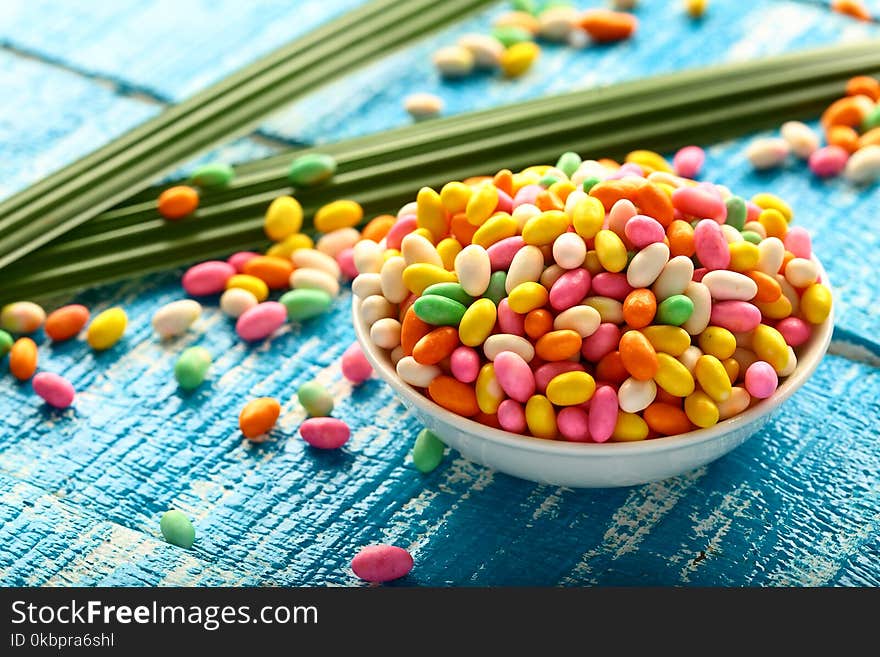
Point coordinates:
[[81, 491]]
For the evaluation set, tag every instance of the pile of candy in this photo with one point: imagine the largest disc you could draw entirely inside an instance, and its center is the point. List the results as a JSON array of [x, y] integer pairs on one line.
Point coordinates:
[[591, 301], [852, 133]]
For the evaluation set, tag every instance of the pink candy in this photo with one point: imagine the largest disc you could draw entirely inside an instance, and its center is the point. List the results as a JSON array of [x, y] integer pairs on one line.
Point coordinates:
[[345, 260], [505, 203], [527, 195], [797, 240], [509, 321], [736, 316], [511, 416], [382, 563], [613, 285], [325, 432], [688, 161], [603, 413], [465, 364], [602, 342], [698, 202], [794, 330], [207, 278], [761, 379], [642, 230], [570, 289], [355, 366], [240, 259], [401, 228], [621, 212], [711, 247], [514, 376], [55, 390], [828, 161], [261, 321], [548, 371], [574, 424], [501, 253]]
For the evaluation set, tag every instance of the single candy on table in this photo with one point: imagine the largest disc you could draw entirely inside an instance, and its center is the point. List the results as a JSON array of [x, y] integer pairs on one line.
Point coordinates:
[[22, 317], [54, 389], [66, 322], [258, 417], [106, 329], [325, 432], [177, 529], [192, 367], [382, 563], [315, 398]]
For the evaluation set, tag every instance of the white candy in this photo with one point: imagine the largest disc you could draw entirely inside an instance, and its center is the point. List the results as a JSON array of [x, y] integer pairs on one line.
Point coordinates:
[[418, 248], [800, 138], [771, 253], [610, 310], [236, 301], [499, 342], [801, 272], [666, 178], [176, 317], [767, 152], [573, 199], [731, 234], [689, 357], [385, 333], [738, 401], [454, 61], [725, 285], [374, 308], [409, 208], [756, 227], [314, 279], [416, 374], [314, 259], [583, 320], [569, 249], [335, 241], [422, 106], [368, 257], [396, 355], [366, 285], [702, 299], [473, 268], [674, 278], [634, 396], [522, 213], [486, 50], [391, 277], [647, 264], [863, 166], [527, 265], [556, 24], [790, 293]]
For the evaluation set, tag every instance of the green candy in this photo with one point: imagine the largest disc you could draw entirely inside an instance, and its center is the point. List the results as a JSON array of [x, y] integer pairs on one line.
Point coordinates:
[[310, 170], [550, 4], [675, 310], [452, 291], [315, 399], [5, 343], [191, 368], [177, 529], [568, 163], [872, 120], [212, 175], [546, 181], [590, 182], [439, 311], [510, 36], [751, 236], [303, 304], [427, 452], [736, 212], [496, 290], [528, 6]]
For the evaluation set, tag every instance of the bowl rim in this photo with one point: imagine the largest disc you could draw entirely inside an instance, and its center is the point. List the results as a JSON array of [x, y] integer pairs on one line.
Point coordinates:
[[815, 351]]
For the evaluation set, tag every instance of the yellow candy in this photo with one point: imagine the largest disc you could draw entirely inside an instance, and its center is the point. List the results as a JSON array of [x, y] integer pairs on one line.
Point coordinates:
[[671, 340], [540, 417], [430, 212], [713, 377], [717, 341], [629, 427], [290, 244], [587, 217], [774, 223], [390, 253], [611, 250], [517, 59], [496, 228], [743, 256], [338, 214], [106, 329], [544, 228], [252, 284], [283, 218], [769, 345], [701, 410], [481, 204], [673, 376], [649, 160], [732, 369], [816, 303], [536, 171], [766, 200], [447, 249], [571, 388], [424, 232], [454, 196], [527, 296], [477, 323], [592, 264], [562, 189], [420, 275], [779, 309], [489, 392], [667, 188], [610, 310]]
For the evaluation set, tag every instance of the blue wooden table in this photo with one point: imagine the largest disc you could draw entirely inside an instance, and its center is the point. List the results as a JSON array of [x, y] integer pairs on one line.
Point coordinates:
[[81, 491]]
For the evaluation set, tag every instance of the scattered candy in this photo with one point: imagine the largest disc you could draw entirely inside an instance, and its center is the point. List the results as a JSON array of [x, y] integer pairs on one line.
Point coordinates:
[[5, 343], [192, 367], [175, 318], [212, 175], [283, 219], [454, 61], [177, 529], [311, 170], [325, 432], [23, 359], [54, 389], [178, 202], [423, 105], [207, 278], [237, 301], [315, 398], [355, 366], [22, 317], [258, 417], [106, 329], [382, 563], [66, 322], [261, 321], [427, 452]]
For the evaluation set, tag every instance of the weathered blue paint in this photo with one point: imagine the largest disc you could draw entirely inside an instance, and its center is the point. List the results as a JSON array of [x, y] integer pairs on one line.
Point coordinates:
[[81, 491]]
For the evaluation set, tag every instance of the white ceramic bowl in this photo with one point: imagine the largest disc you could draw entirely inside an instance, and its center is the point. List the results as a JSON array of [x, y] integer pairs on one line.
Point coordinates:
[[591, 465]]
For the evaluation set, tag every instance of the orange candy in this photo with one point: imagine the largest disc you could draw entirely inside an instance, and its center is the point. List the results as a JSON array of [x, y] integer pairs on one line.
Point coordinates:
[[853, 8], [436, 345], [664, 397], [666, 419], [503, 180], [610, 369], [638, 356], [274, 272], [178, 201], [66, 322], [462, 229], [558, 345], [654, 202], [547, 200], [453, 395], [870, 138], [681, 239], [23, 359], [538, 322], [412, 329], [488, 420], [769, 289], [849, 111], [378, 228], [639, 308], [605, 26], [863, 85], [843, 136], [258, 417]]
